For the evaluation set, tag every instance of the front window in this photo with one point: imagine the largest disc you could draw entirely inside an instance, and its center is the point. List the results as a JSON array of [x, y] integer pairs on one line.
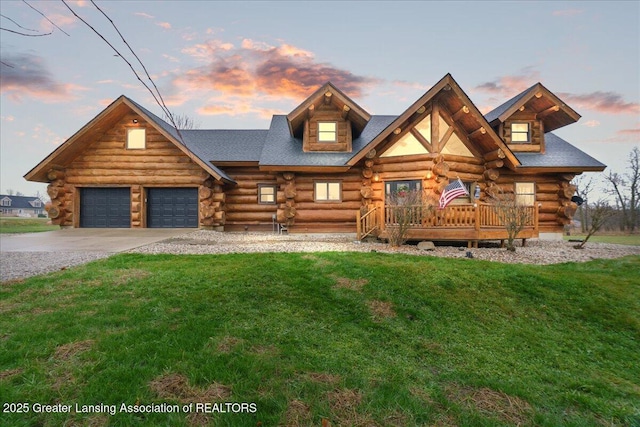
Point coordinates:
[[327, 132], [267, 194], [328, 191], [136, 138], [525, 193], [520, 132]]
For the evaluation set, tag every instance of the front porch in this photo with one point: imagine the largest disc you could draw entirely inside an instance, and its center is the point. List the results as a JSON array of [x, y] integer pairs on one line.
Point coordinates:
[[462, 222]]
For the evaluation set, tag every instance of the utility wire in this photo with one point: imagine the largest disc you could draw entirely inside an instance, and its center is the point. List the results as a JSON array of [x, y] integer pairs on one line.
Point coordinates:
[[45, 17], [157, 97]]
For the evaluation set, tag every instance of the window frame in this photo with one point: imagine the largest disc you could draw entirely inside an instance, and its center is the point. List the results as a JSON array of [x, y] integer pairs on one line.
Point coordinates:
[[274, 187], [131, 130], [324, 132], [528, 132], [519, 196], [328, 199]]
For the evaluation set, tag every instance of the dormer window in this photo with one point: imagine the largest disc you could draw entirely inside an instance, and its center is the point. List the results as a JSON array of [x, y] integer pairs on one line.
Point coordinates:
[[136, 138], [5, 202], [36, 203], [327, 132], [520, 133]]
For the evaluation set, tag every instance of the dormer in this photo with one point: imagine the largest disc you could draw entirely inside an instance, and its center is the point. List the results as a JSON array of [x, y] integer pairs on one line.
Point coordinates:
[[328, 121], [5, 201], [523, 120]]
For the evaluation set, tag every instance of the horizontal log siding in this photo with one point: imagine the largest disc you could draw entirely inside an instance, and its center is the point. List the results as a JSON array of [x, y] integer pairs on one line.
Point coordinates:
[[327, 216], [547, 195], [106, 162], [242, 207]]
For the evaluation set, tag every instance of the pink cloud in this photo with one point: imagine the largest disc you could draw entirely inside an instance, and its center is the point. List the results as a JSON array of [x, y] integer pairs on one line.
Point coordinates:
[[508, 86], [258, 69], [144, 15], [626, 135], [165, 25], [603, 102], [29, 77], [591, 123]]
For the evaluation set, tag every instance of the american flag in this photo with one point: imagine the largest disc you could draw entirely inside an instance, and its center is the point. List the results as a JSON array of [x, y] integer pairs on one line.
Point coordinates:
[[451, 191]]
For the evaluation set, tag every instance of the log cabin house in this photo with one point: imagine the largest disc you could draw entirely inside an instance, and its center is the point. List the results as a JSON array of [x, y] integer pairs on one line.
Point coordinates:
[[328, 166]]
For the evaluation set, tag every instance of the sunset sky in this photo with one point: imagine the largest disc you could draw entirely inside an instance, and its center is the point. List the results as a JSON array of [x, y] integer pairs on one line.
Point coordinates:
[[231, 65]]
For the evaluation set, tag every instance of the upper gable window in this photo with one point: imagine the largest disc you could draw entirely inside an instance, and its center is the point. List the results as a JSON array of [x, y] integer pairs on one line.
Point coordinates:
[[136, 138], [520, 132], [327, 132]]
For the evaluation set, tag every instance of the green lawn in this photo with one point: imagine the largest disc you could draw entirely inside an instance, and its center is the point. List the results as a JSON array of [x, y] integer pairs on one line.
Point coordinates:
[[623, 239], [356, 339], [25, 225]]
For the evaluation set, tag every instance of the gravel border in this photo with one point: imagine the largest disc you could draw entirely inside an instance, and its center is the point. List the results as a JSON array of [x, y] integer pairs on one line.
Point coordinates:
[[19, 265]]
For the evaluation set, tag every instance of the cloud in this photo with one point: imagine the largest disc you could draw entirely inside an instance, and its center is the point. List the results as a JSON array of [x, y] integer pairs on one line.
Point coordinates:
[[7, 118], [567, 12], [165, 25], [508, 86], [236, 107], [603, 102], [591, 123], [29, 77], [626, 135], [144, 15], [257, 70]]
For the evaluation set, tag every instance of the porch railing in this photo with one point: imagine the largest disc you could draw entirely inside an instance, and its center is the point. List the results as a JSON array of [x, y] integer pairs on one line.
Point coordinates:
[[454, 216], [367, 223]]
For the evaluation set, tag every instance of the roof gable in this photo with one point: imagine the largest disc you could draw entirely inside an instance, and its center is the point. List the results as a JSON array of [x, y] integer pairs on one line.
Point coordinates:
[[66, 152], [328, 94], [553, 112], [448, 96]]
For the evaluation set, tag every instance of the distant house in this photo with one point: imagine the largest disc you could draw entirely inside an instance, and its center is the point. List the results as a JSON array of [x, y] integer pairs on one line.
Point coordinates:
[[327, 166], [21, 206]]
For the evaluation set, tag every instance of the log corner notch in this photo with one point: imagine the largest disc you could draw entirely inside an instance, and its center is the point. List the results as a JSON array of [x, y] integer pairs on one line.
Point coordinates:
[[286, 213], [60, 209], [367, 190], [136, 206], [567, 208], [492, 162], [211, 197]]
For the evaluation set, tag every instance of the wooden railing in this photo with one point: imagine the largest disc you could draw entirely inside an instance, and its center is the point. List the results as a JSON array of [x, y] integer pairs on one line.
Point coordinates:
[[367, 223], [462, 216]]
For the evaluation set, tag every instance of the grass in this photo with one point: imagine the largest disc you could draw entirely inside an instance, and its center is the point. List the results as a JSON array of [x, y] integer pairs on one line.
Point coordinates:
[[618, 239], [355, 339], [25, 225]]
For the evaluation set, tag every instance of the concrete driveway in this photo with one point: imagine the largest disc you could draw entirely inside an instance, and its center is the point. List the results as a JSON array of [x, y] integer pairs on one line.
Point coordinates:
[[107, 240]]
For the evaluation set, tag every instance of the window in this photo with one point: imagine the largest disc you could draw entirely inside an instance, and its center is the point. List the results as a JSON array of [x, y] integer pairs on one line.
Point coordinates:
[[520, 132], [267, 194], [136, 138], [327, 132], [525, 193], [5, 202], [36, 203], [328, 191]]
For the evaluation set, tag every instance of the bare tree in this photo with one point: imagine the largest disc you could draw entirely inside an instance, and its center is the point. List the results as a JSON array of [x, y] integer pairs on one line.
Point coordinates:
[[626, 190], [513, 215], [184, 122], [600, 213], [584, 187], [405, 210]]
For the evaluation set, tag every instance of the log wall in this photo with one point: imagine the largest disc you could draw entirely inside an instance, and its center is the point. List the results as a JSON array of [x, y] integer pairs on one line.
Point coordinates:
[[107, 163], [242, 208], [327, 113]]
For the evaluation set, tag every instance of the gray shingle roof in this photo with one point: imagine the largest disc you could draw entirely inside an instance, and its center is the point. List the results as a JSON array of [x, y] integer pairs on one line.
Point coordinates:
[[558, 154], [22, 202], [498, 111], [226, 145], [281, 149]]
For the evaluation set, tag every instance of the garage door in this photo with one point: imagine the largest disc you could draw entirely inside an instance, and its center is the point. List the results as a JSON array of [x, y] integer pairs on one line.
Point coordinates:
[[172, 207], [105, 207]]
